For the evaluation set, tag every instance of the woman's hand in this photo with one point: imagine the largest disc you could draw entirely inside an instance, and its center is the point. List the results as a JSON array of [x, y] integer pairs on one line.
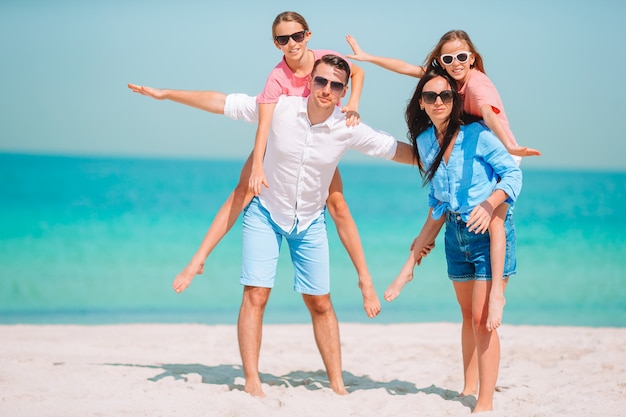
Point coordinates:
[[480, 218]]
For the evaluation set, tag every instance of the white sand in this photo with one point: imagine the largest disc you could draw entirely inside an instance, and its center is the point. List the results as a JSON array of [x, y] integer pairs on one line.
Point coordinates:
[[390, 370]]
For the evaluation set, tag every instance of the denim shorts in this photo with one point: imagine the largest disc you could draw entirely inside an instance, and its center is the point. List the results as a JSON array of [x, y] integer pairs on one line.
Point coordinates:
[[467, 253], [262, 239]]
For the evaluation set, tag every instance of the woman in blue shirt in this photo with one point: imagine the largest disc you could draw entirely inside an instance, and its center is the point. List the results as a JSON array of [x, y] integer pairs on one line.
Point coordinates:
[[469, 173]]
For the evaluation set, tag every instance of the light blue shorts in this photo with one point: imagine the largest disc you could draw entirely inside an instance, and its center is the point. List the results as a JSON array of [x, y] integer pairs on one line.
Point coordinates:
[[468, 254], [262, 239]]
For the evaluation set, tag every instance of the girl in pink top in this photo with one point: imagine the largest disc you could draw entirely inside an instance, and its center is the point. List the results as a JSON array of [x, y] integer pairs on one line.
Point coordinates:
[[291, 34], [455, 54]]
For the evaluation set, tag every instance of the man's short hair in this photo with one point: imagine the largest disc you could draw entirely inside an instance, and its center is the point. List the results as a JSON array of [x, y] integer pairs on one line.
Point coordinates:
[[334, 61]]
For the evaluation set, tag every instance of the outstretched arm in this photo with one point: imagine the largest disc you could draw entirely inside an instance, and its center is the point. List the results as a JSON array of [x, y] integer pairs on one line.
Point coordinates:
[[493, 123], [404, 154], [391, 64], [211, 101]]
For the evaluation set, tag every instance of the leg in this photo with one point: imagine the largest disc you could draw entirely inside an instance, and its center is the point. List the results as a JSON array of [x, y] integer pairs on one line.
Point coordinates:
[[249, 330], [464, 293], [481, 347], [260, 248], [487, 347], [222, 223], [497, 249], [403, 278], [349, 235], [420, 247], [326, 330]]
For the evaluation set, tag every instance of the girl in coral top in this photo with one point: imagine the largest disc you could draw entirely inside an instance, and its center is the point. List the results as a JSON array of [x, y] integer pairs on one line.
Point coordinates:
[[290, 33], [456, 55]]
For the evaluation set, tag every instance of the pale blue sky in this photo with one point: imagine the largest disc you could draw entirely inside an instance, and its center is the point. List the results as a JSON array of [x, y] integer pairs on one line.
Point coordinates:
[[65, 66]]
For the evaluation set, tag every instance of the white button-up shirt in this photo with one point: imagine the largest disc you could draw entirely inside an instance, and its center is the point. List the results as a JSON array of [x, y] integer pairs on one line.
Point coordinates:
[[300, 159]]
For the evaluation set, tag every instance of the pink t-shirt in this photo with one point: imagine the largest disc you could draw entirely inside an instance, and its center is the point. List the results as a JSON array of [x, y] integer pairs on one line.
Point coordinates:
[[282, 81], [479, 90]]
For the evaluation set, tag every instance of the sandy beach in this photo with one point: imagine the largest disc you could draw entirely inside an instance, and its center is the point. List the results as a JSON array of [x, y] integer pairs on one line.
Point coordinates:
[[390, 370]]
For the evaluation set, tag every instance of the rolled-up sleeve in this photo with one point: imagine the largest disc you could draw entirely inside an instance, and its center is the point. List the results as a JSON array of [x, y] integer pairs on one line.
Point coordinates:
[[241, 107], [376, 143]]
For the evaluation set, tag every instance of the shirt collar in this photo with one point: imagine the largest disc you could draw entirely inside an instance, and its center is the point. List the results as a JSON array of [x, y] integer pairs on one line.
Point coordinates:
[[335, 117]]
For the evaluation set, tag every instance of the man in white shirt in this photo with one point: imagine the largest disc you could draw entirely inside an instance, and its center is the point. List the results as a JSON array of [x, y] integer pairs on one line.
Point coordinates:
[[308, 137]]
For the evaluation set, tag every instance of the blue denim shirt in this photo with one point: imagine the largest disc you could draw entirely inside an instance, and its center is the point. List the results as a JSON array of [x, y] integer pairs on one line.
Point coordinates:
[[477, 161]]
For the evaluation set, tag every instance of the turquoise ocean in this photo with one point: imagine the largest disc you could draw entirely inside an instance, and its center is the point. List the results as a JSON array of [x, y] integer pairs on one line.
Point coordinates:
[[99, 240]]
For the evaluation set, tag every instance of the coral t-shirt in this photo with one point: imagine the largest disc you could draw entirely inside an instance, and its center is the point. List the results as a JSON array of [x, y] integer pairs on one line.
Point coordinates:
[[477, 91], [282, 81]]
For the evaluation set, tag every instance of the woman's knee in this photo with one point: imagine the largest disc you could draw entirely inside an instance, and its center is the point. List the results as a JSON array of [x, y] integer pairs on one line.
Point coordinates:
[[466, 313]]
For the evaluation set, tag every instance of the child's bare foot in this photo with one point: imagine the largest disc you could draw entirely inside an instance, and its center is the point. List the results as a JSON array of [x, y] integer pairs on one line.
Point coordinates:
[[182, 280], [496, 307], [371, 303], [394, 289]]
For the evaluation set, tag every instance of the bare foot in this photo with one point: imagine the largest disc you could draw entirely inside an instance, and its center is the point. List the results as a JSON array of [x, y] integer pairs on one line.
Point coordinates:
[[254, 389], [182, 280], [341, 390], [394, 289], [496, 307], [371, 303], [480, 408]]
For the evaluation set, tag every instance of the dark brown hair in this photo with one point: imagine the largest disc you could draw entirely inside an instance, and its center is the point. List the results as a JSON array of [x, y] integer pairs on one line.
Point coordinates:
[[418, 121], [334, 61]]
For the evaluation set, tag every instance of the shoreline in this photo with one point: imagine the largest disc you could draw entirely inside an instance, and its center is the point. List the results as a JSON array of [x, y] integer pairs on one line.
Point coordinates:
[[389, 370]]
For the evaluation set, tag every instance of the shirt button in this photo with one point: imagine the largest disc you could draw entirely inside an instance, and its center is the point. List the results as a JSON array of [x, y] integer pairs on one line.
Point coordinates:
[[458, 217]]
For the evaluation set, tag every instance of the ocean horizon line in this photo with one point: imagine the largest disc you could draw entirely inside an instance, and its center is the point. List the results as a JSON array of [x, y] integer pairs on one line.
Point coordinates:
[[352, 160]]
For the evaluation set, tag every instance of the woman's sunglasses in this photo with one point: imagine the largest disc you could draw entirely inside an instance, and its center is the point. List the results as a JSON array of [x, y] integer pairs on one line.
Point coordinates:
[[284, 39], [335, 86], [430, 97], [462, 57]]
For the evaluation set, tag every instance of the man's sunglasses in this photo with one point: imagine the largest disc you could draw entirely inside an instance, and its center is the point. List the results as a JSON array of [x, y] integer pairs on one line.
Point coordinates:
[[335, 86], [284, 39], [430, 97], [462, 57]]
